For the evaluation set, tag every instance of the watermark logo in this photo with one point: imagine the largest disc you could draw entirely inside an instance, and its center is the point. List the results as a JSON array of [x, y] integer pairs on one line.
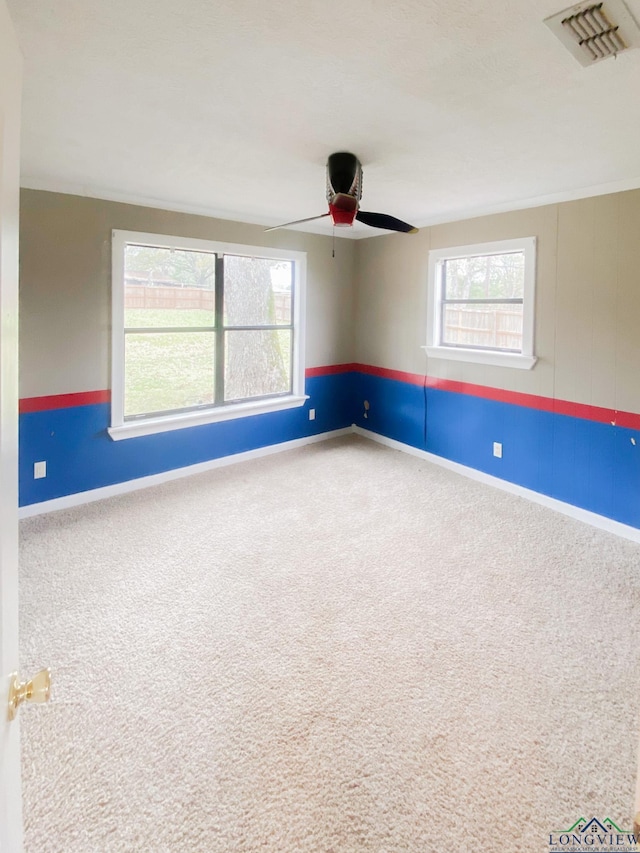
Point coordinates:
[[603, 836]]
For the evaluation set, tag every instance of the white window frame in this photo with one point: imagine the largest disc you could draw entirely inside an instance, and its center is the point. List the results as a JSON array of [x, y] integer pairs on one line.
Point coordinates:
[[120, 428], [523, 360]]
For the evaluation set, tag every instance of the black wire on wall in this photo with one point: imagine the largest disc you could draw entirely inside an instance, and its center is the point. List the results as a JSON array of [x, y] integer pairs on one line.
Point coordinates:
[[424, 389]]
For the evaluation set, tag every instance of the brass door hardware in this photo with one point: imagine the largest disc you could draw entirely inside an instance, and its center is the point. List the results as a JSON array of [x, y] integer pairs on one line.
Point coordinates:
[[37, 690]]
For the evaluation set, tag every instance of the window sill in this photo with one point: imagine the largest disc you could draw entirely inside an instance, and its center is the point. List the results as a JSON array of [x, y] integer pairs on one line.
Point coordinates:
[[499, 359], [150, 426]]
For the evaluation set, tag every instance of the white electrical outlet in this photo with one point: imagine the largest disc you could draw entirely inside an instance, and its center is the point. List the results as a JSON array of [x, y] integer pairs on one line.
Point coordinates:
[[497, 449], [312, 414], [39, 470]]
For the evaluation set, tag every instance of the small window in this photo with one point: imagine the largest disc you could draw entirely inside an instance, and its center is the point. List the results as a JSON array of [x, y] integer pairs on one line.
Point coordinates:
[[202, 332], [481, 303]]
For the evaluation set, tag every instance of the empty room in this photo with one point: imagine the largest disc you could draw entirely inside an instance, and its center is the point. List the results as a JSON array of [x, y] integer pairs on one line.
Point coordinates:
[[319, 426]]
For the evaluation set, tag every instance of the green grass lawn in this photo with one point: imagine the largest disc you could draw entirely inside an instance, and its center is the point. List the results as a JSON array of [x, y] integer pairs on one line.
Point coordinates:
[[141, 318], [168, 371], [165, 371]]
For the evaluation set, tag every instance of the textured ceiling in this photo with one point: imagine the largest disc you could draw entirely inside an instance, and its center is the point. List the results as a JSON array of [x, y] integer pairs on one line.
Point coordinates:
[[231, 108]]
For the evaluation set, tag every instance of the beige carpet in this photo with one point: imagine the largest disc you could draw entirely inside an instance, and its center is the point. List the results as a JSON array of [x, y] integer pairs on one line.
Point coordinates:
[[340, 648]]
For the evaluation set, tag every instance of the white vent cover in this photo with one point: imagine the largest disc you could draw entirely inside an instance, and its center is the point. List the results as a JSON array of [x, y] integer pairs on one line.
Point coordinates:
[[594, 31]]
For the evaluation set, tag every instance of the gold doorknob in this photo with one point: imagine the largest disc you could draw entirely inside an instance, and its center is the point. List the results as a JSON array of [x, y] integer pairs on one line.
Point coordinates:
[[37, 690]]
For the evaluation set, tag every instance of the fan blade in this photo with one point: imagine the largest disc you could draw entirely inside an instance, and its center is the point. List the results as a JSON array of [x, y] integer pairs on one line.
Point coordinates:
[[297, 222], [382, 220]]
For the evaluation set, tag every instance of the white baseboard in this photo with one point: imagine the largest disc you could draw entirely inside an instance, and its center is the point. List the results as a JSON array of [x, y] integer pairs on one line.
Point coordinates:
[[584, 515], [165, 476]]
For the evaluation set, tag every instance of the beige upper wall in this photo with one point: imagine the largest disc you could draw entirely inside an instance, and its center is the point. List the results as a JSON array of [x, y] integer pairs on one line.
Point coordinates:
[[587, 300], [65, 285], [368, 304]]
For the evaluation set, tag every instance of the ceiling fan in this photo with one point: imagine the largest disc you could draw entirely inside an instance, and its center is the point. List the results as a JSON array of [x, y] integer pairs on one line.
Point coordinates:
[[344, 190]]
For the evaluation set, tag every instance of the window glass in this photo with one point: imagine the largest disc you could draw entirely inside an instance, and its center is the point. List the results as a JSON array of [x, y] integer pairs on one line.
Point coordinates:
[[257, 291], [168, 287], [483, 325], [257, 363], [168, 371], [485, 277]]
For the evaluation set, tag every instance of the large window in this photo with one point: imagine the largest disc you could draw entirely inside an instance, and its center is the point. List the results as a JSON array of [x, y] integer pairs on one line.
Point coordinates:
[[481, 303], [202, 332]]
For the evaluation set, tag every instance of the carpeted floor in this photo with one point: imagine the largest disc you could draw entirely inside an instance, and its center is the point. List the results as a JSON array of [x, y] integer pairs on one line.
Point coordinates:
[[336, 649]]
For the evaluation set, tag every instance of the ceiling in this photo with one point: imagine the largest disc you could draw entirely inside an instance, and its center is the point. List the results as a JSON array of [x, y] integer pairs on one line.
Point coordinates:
[[230, 108]]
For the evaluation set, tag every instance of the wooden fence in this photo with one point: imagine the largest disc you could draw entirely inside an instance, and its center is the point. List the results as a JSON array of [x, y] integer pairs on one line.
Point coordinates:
[[138, 296], [499, 328], [168, 298]]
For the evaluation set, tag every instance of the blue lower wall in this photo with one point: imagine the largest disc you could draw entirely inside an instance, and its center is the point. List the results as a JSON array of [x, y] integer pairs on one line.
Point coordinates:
[[81, 456], [591, 465]]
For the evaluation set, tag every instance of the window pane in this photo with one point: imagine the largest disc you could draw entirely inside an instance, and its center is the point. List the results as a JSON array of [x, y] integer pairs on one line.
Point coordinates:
[[166, 371], [257, 363], [486, 277], [257, 291], [165, 287], [477, 325]]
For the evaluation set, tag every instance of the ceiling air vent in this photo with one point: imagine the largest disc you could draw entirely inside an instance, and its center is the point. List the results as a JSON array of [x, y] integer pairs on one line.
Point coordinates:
[[595, 31]]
